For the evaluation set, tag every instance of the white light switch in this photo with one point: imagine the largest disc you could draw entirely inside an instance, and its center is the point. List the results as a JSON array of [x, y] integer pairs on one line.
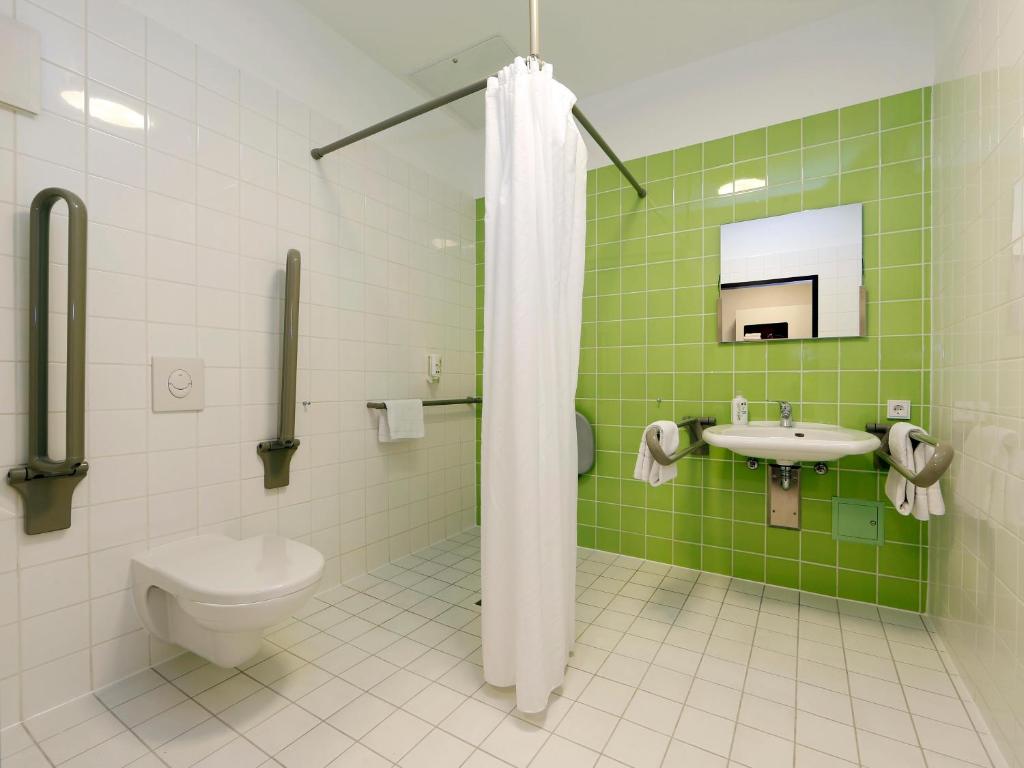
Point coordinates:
[[178, 384]]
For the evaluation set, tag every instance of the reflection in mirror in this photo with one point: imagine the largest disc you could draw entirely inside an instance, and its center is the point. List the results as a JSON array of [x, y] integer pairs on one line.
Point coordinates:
[[770, 309], [798, 276]]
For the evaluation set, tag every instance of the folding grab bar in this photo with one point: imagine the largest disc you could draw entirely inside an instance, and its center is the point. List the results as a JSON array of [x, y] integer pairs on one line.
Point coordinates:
[[697, 446], [45, 484], [277, 453], [933, 470]]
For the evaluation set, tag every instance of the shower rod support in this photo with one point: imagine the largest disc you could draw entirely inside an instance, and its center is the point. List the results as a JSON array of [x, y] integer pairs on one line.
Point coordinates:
[[441, 101]]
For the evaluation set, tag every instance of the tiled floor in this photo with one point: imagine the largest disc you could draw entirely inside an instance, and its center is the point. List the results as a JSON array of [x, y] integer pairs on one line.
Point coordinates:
[[673, 668]]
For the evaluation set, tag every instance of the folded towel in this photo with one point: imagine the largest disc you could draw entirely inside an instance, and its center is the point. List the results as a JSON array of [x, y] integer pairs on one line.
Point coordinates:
[[647, 469], [928, 501], [400, 420], [900, 490], [909, 499]]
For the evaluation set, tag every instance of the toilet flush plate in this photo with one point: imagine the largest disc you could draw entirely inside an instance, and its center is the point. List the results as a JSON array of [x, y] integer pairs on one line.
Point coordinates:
[[178, 384]]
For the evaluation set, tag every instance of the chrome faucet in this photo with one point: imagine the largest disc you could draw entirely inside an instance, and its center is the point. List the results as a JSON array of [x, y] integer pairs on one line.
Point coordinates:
[[785, 413]]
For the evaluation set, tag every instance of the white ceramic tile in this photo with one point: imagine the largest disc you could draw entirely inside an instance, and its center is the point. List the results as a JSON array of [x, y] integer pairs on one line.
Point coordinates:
[[396, 735], [117, 67]]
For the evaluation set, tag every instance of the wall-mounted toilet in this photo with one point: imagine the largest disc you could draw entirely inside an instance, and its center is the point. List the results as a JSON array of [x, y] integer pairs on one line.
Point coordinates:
[[215, 595]]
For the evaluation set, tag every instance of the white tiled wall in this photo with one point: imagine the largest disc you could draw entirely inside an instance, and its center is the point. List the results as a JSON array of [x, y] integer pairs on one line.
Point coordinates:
[[198, 179], [976, 589]]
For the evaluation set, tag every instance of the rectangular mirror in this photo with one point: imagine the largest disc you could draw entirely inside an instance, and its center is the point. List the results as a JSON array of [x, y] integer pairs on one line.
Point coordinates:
[[797, 276]]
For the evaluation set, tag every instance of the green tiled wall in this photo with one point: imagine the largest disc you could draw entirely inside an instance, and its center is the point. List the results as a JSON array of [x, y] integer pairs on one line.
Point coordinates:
[[649, 349]]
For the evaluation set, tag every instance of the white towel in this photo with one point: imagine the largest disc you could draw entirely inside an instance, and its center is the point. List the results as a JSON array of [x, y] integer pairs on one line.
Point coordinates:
[[649, 470], [928, 501], [900, 490], [401, 420], [909, 499]]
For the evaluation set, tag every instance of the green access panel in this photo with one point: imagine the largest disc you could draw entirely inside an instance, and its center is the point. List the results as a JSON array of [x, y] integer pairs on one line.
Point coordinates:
[[858, 520]]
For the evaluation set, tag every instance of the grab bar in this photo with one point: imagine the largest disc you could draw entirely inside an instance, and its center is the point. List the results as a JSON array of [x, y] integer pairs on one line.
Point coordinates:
[[427, 403], [697, 447], [277, 453], [933, 470], [47, 485]]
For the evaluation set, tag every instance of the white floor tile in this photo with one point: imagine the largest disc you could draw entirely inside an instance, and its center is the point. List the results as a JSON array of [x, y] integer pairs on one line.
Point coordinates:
[[314, 749], [561, 753], [758, 749], [675, 668], [396, 735], [361, 715], [281, 729], [437, 750], [826, 735], [515, 741], [636, 746], [683, 755], [702, 729]]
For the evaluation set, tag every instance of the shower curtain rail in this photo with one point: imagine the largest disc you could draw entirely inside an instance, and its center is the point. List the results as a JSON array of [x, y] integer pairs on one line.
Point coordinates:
[[461, 93]]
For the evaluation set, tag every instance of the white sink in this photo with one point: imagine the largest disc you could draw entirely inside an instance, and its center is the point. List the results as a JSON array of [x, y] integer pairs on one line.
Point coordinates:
[[804, 441]]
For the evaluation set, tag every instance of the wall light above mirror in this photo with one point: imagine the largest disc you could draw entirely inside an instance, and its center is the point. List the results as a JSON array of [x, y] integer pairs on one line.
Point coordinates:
[[798, 276]]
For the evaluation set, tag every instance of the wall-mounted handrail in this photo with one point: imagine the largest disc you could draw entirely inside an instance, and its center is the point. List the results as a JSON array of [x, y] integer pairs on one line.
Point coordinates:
[[46, 484], [427, 403], [694, 427], [277, 453], [933, 470]]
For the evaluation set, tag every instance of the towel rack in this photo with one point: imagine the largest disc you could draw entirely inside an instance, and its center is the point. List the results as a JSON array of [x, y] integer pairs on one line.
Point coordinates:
[[697, 447], [426, 403], [45, 484], [277, 453], [933, 470]]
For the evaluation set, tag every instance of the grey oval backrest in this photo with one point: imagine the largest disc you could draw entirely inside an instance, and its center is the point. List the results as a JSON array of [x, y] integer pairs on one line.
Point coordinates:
[[584, 444]]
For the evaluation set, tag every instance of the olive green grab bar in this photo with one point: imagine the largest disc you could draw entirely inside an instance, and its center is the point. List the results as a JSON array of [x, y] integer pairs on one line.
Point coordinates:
[[697, 447], [277, 453], [933, 470], [47, 485]]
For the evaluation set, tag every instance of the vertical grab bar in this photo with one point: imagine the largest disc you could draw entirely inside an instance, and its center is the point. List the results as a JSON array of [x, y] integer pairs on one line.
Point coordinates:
[[47, 485], [277, 453]]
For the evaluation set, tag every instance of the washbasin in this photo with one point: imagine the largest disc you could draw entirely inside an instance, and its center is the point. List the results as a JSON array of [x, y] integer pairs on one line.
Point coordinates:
[[804, 441]]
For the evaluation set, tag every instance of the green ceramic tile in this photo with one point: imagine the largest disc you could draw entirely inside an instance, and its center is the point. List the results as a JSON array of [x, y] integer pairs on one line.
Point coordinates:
[[859, 119], [820, 128], [751, 144], [649, 332], [718, 152], [903, 109], [784, 137]]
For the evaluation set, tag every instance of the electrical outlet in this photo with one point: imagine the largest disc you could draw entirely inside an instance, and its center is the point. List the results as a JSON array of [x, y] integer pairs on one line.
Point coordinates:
[[898, 409]]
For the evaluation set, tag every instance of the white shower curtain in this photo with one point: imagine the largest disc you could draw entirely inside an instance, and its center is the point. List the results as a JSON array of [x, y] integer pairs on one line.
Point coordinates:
[[534, 227]]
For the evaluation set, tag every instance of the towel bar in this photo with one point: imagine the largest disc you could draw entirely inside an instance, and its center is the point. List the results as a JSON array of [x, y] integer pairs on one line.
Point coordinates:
[[934, 469], [277, 453], [697, 447], [454, 401], [46, 484]]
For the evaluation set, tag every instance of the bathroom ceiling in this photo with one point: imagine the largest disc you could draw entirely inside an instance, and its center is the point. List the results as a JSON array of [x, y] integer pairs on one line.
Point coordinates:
[[595, 44]]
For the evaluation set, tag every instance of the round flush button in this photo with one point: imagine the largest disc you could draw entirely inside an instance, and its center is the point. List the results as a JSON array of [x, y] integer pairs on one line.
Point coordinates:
[[179, 383]]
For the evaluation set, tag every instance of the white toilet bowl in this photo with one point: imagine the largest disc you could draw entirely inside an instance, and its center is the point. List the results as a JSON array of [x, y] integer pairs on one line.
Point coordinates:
[[215, 596]]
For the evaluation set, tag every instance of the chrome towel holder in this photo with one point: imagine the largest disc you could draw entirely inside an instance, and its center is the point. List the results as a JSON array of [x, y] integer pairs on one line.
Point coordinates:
[[933, 470], [694, 427]]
